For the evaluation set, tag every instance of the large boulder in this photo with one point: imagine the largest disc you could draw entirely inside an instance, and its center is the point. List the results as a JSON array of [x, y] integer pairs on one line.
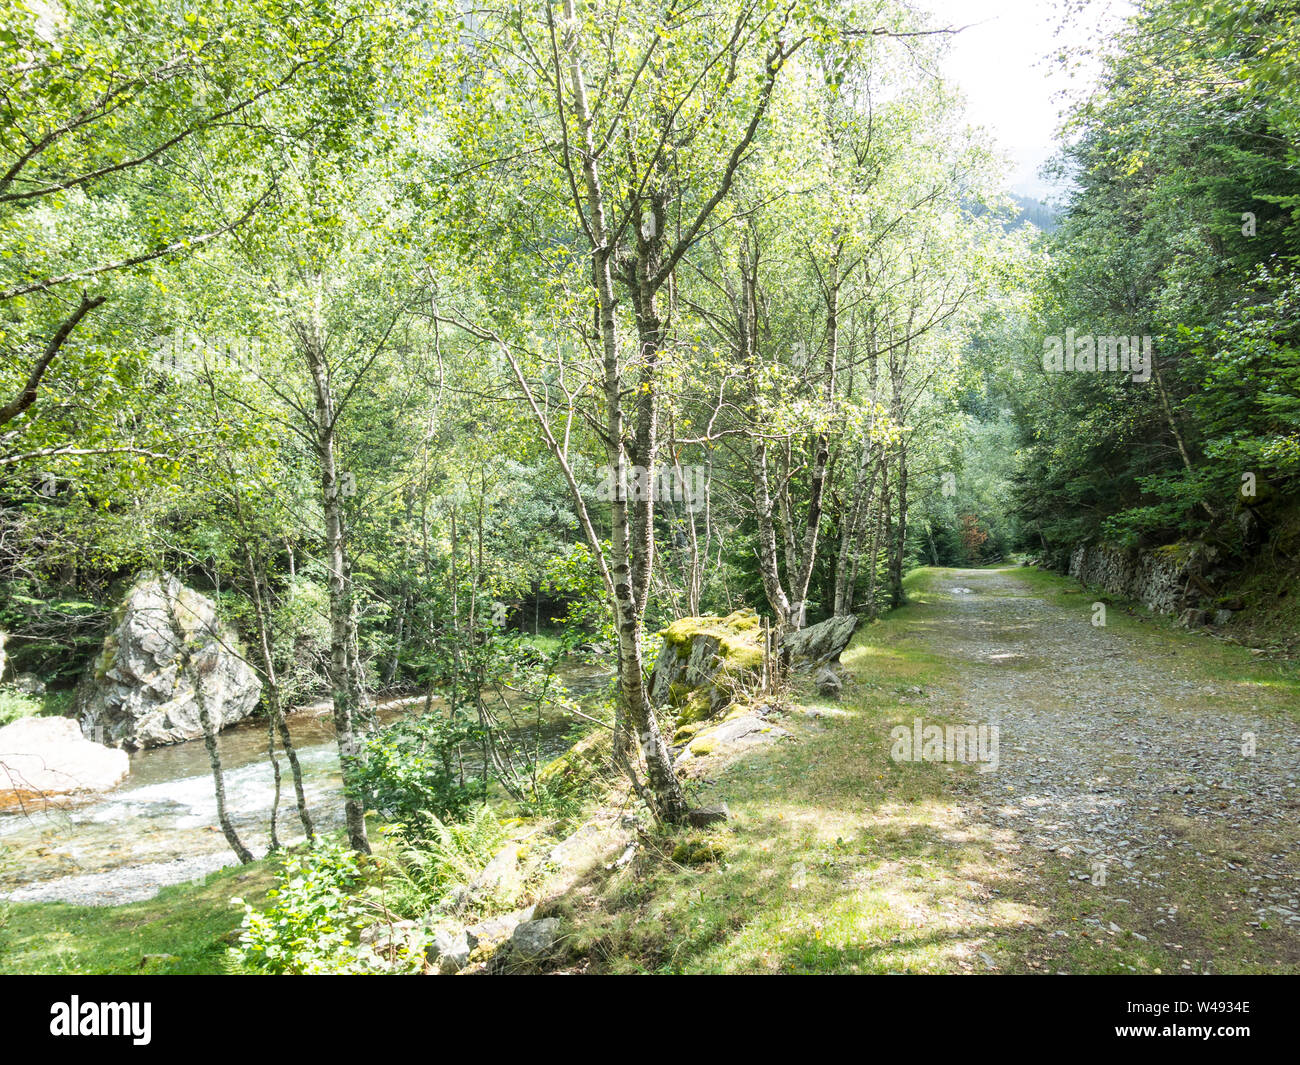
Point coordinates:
[[819, 644], [705, 662], [139, 693], [45, 756]]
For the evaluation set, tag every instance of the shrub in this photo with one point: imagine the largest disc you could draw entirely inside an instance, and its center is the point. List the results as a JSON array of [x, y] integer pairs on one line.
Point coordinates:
[[312, 921], [410, 769], [15, 704]]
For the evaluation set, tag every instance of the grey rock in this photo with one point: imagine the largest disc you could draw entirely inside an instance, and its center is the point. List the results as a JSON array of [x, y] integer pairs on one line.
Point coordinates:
[[396, 942], [502, 875], [820, 643], [829, 684], [704, 816], [531, 945], [42, 756], [139, 693], [448, 950], [382, 933], [494, 930], [29, 683], [698, 669], [581, 846]]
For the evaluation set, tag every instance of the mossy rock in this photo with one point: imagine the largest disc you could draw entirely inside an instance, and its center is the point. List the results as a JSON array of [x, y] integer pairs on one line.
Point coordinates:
[[739, 636], [1180, 552], [580, 764], [706, 664], [704, 745], [696, 850], [698, 708]]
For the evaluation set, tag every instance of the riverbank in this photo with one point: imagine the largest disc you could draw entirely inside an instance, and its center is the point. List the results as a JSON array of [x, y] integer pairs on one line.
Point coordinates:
[[159, 826]]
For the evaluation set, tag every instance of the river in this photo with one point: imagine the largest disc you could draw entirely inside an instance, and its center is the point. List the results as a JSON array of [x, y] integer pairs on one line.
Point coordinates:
[[159, 826]]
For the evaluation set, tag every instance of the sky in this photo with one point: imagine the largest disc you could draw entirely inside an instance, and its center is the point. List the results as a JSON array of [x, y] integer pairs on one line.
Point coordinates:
[[1002, 64]]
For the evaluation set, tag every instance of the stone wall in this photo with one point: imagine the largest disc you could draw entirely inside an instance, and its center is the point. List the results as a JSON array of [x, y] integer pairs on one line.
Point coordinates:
[[1165, 579]]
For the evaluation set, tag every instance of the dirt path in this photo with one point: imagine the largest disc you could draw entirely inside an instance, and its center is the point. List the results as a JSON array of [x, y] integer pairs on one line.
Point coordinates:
[[1121, 767]]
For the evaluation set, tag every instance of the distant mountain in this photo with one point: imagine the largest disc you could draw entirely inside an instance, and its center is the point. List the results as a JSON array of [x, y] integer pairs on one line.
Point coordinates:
[[1027, 210], [1034, 212]]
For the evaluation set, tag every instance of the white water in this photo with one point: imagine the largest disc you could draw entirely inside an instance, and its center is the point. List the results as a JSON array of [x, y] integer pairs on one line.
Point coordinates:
[[159, 826]]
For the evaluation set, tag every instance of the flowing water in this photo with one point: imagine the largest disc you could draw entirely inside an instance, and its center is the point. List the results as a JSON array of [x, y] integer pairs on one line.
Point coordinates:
[[159, 826]]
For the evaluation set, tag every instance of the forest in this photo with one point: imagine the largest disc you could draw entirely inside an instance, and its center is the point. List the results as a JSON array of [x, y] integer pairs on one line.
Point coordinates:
[[446, 449]]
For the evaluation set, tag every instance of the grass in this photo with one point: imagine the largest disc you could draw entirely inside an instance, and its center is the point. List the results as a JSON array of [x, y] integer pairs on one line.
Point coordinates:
[[186, 928], [544, 642], [15, 704]]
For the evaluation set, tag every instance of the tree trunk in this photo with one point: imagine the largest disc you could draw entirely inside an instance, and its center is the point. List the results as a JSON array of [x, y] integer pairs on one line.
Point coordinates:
[[664, 795], [271, 692], [897, 596], [342, 680]]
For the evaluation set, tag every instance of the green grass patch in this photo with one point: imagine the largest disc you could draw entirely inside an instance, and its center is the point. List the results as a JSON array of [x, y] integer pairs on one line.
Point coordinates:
[[185, 929]]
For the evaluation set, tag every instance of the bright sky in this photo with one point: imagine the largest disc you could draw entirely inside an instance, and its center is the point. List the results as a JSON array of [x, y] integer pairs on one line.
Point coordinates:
[[1003, 64]]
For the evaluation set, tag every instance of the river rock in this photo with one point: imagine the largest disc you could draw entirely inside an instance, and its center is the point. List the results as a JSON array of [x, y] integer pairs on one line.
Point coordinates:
[[137, 692], [42, 756], [819, 644]]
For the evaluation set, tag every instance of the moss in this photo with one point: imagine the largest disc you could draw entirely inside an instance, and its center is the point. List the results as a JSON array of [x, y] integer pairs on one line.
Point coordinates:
[[685, 733], [739, 645], [578, 765], [105, 659], [696, 708], [739, 654], [702, 746], [1178, 552], [698, 851]]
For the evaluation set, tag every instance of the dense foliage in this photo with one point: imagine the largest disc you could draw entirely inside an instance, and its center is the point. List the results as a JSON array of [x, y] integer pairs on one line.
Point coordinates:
[[1183, 229]]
